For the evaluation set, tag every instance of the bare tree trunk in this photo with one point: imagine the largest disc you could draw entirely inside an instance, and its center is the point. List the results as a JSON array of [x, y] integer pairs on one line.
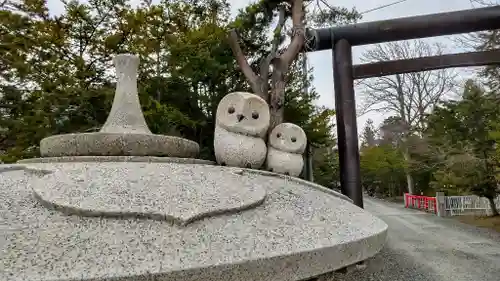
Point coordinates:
[[408, 96], [409, 179], [493, 207], [277, 98], [406, 155], [409, 183], [280, 62], [404, 118]]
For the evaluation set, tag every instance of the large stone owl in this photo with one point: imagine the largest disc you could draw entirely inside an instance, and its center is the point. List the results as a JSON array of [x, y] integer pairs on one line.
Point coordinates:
[[287, 143], [242, 121]]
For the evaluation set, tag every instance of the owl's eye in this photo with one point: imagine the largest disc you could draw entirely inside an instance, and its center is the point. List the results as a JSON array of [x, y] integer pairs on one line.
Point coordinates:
[[255, 115], [294, 139], [278, 135], [230, 110]]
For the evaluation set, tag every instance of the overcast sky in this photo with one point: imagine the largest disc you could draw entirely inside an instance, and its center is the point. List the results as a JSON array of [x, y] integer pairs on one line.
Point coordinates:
[[322, 61]]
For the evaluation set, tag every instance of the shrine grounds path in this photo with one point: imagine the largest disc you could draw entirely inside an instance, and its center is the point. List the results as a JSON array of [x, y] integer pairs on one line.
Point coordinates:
[[424, 247]]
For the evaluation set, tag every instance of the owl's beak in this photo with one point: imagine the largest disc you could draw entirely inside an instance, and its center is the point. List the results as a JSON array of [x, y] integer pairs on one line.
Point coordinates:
[[240, 117]]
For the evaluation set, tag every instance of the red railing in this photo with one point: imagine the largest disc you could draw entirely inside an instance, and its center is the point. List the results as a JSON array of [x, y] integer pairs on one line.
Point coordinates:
[[420, 202]]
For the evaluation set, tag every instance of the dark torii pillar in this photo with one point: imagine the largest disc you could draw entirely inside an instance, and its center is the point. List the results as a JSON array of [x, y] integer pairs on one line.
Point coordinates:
[[347, 132], [341, 40]]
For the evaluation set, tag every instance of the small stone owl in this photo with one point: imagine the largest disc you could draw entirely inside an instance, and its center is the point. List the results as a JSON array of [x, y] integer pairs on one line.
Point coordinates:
[[242, 120], [287, 143]]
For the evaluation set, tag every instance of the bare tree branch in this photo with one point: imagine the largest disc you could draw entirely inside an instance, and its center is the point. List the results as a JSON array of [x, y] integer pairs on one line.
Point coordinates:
[[411, 95], [298, 38], [245, 67], [485, 2], [264, 66]]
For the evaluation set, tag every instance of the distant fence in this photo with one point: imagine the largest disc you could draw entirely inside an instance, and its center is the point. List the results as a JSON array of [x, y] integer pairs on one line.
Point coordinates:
[[425, 203], [450, 205], [468, 205]]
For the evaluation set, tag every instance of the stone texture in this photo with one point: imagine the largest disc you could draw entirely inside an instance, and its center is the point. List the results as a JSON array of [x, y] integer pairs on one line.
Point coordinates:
[[299, 231], [117, 144], [287, 143], [11, 167], [126, 113], [172, 192], [148, 159], [288, 137], [300, 182], [238, 150], [284, 162], [125, 131], [242, 121], [243, 113]]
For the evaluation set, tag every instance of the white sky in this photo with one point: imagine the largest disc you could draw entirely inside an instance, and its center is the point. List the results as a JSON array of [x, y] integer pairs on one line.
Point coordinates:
[[322, 61]]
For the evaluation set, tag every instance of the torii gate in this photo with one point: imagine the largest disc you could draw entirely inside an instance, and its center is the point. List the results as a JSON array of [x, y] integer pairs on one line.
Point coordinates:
[[341, 40]]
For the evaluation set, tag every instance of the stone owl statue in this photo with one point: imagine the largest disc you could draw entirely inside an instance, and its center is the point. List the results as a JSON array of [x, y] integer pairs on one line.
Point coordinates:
[[242, 120], [287, 143]]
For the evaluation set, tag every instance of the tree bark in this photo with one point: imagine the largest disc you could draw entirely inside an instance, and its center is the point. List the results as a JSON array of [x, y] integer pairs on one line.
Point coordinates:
[[256, 82], [277, 98], [409, 178], [493, 207]]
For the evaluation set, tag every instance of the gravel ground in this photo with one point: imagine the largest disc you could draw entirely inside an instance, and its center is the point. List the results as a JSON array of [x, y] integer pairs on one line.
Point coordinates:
[[423, 247]]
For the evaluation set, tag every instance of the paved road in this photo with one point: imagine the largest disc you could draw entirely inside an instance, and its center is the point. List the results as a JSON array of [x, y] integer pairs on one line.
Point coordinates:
[[423, 247]]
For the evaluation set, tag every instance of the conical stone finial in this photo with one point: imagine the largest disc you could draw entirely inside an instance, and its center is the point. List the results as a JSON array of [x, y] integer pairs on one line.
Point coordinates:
[[126, 114], [125, 132]]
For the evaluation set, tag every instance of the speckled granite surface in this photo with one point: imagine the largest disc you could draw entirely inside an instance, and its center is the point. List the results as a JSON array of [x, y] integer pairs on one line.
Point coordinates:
[[112, 144], [298, 232], [150, 159], [160, 191]]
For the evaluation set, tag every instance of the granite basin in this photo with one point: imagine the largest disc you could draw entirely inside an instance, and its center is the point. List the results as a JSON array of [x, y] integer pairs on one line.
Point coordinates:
[[299, 231]]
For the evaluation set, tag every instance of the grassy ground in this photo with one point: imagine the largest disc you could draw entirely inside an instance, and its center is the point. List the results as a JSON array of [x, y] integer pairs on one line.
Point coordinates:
[[487, 222]]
